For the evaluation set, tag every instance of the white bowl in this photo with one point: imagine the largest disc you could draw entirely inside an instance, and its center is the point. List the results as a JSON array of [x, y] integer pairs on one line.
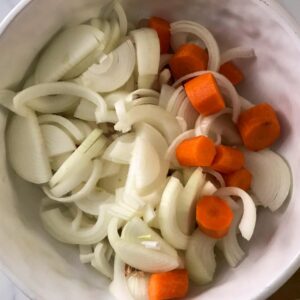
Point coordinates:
[[46, 269]]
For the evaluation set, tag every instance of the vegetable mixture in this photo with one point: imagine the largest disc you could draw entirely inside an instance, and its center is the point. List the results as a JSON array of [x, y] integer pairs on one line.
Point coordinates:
[[148, 156]]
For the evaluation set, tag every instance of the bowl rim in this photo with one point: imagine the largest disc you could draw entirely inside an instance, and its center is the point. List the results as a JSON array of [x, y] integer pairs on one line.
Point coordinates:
[[291, 26]]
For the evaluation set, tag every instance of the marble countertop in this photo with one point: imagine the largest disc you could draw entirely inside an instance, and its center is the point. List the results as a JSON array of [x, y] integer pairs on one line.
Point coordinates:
[[8, 290]]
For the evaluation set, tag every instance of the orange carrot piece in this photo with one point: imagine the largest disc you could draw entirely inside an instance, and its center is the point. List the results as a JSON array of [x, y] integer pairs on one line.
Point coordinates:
[[168, 285], [188, 58], [162, 27], [241, 178], [232, 72], [196, 152], [204, 94], [214, 216], [228, 159], [259, 127]]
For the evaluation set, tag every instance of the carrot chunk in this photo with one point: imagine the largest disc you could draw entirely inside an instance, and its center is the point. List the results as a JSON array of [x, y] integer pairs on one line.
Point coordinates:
[[232, 72], [162, 27], [168, 285], [196, 152], [228, 159], [214, 216], [259, 127], [188, 58], [241, 178], [204, 94]]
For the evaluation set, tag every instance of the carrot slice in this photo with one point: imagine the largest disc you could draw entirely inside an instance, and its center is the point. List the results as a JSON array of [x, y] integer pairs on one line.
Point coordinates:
[[162, 27], [241, 178], [214, 216], [228, 159], [168, 285], [232, 72], [188, 58], [259, 127], [196, 152], [204, 94]]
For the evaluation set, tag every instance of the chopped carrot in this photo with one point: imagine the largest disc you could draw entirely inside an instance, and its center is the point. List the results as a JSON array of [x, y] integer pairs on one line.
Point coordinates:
[[232, 72], [259, 127], [188, 58], [168, 285], [204, 94], [228, 159], [214, 216], [241, 178], [196, 152], [162, 27]]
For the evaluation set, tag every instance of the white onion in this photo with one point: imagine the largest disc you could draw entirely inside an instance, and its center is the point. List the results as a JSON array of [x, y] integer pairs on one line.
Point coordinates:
[[164, 77], [208, 189], [57, 161], [246, 104], [271, 177], [113, 38], [238, 52], [27, 152], [203, 34], [6, 99], [148, 55], [85, 110], [66, 50], [169, 226], [215, 174], [138, 285], [149, 213], [176, 101], [83, 127], [166, 93], [86, 253], [112, 98], [113, 71], [122, 18], [248, 220], [200, 258], [188, 113], [186, 203], [142, 96], [110, 169], [100, 262]]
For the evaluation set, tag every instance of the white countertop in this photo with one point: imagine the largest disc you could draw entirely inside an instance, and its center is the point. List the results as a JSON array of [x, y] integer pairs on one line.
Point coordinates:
[[7, 289]]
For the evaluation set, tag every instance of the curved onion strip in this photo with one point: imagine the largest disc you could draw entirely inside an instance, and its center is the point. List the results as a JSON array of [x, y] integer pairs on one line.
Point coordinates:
[[202, 33], [57, 161], [85, 110], [114, 97], [100, 262], [166, 93], [114, 36], [153, 115], [171, 152], [248, 220], [91, 147], [137, 283], [246, 104], [61, 228], [164, 60], [57, 88], [118, 65], [66, 50], [176, 101], [6, 99], [271, 177], [77, 220], [122, 18], [83, 127], [226, 86], [27, 152], [200, 258], [85, 253], [118, 287], [178, 40], [208, 189], [186, 203], [188, 113], [216, 175], [238, 52], [138, 256], [182, 123], [57, 141], [148, 55], [149, 213], [169, 227], [110, 169], [229, 245], [63, 123], [164, 77]]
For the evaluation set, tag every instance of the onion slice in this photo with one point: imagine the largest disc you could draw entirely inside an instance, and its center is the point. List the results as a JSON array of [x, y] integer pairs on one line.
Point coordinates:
[[100, 262], [238, 52], [6, 99]]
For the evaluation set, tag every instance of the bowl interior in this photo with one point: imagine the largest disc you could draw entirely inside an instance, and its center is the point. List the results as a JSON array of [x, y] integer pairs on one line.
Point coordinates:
[[44, 267]]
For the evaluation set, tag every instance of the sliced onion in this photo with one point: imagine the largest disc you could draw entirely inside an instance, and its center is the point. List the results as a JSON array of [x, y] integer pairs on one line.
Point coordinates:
[[56, 140], [271, 177], [120, 150], [85, 110], [155, 116], [203, 34], [200, 258], [176, 101], [110, 169], [122, 18], [186, 203], [238, 52], [83, 127], [165, 94], [65, 51], [118, 65], [86, 253], [248, 220], [229, 245], [169, 226], [188, 113], [57, 161], [148, 56], [164, 77], [100, 262], [61, 228], [216, 175], [208, 189], [226, 86], [142, 96], [246, 104], [6, 99], [138, 285], [114, 97], [164, 60], [27, 152], [114, 36], [149, 214]]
